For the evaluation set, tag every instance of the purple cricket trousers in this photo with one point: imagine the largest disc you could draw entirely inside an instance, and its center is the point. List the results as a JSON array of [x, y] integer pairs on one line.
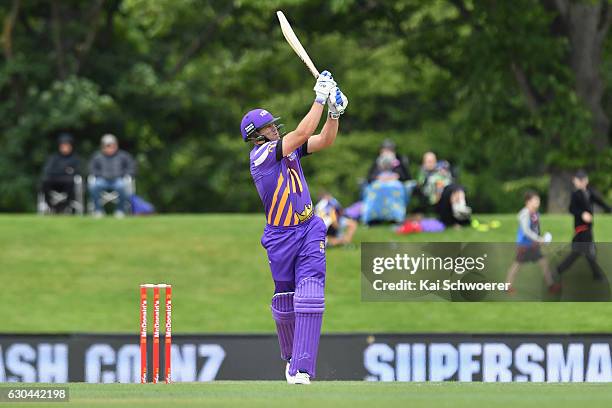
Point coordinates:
[[297, 261]]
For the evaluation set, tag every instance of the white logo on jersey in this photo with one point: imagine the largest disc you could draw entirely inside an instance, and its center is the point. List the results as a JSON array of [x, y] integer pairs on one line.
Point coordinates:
[[264, 155]]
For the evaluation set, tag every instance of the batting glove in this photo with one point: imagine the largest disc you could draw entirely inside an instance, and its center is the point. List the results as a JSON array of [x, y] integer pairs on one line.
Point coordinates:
[[336, 103], [323, 87]]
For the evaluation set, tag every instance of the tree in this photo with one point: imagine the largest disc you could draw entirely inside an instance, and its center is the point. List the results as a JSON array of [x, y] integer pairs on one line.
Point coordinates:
[[585, 25], [525, 80], [513, 93]]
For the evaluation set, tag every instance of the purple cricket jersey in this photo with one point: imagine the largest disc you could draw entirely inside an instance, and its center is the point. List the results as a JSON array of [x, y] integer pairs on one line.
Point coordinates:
[[281, 185]]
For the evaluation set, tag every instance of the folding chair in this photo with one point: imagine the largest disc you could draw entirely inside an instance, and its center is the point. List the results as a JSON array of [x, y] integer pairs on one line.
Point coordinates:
[[111, 196], [75, 206]]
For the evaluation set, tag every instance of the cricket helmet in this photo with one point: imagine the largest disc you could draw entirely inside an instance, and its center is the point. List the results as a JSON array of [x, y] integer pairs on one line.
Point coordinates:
[[254, 121]]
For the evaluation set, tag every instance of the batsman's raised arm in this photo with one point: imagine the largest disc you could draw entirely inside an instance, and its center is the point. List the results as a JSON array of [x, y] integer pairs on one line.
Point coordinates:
[[337, 103], [293, 140], [324, 139], [305, 129]]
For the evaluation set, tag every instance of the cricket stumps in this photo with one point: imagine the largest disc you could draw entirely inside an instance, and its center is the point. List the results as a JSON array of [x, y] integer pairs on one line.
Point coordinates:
[[156, 331]]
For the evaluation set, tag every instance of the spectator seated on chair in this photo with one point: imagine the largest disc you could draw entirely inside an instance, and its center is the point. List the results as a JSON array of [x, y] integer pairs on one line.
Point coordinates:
[[60, 176], [111, 169]]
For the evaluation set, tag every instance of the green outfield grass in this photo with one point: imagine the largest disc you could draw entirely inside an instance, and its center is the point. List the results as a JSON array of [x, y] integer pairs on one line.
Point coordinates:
[[65, 274], [271, 394]]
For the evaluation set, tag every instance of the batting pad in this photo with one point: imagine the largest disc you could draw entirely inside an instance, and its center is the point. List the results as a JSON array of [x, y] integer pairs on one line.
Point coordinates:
[[309, 304], [284, 316]]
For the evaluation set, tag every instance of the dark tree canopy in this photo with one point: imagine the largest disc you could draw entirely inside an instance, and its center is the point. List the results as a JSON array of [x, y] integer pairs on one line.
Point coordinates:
[[514, 94]]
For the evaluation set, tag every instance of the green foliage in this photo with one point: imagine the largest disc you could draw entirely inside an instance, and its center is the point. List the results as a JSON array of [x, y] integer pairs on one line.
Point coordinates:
[[75, 104], [173, 78]]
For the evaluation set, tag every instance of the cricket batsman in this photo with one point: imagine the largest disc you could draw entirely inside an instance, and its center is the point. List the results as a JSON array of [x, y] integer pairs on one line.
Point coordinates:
[[294, 237]]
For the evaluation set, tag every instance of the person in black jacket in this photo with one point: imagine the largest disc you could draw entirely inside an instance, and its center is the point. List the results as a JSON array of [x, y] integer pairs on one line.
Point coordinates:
[[452, 208], [110, 165], [581, 207], [58, 173]]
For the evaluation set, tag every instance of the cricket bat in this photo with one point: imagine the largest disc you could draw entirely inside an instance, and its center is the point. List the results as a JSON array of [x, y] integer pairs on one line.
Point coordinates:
[[294, 42]]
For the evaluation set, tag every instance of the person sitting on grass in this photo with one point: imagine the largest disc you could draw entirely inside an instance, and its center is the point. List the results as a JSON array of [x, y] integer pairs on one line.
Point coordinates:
[[386, 198], [388, 161], [428, 167], [528, 241], [437, 181], [340, 229], [452, 208]]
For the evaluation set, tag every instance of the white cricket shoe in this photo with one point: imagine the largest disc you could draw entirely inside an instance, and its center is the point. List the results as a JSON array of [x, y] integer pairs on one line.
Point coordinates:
[[298, 378], [287, 376]]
